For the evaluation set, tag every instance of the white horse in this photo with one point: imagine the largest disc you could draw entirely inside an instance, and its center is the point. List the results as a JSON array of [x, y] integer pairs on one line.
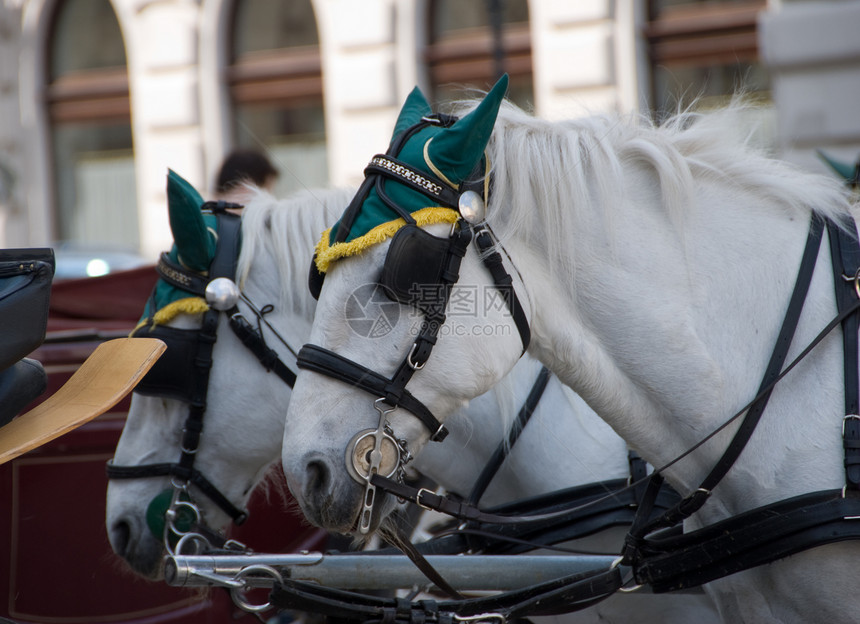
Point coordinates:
[[655, 266], [244, 422]]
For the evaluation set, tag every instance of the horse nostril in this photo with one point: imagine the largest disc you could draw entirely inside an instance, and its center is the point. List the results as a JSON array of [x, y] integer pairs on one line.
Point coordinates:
[[318, 477], [120, 537]]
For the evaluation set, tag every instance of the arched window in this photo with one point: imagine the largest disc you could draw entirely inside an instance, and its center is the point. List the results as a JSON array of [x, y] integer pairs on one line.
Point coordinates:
[[472, 43], [88, 107], [275, 80]]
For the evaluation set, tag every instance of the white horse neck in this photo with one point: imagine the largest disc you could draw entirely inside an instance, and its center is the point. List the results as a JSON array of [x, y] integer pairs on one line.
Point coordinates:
[[564, 444], [659, 262]]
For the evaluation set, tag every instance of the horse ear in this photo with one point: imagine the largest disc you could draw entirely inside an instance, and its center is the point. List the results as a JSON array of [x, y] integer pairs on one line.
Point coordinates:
[[194, 243], [414, 108], [845, 171], [456, 150]]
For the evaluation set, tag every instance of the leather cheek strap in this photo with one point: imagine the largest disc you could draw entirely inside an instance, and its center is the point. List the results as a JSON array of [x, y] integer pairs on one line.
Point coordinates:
[[320, 360]]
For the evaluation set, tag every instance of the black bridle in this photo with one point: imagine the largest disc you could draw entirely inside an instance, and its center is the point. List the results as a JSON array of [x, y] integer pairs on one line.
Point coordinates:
[[414, 257], [183, 374]]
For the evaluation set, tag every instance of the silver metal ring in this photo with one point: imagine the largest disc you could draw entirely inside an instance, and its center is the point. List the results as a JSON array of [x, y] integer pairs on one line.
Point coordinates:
[[198, 544], [236, 593], [170, 516], [625, 590]]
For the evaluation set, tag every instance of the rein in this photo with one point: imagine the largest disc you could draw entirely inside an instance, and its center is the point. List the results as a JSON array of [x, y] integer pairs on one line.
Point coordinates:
[[194, 347], [523, 416], [466, 510], [657, 554], [774, 531]]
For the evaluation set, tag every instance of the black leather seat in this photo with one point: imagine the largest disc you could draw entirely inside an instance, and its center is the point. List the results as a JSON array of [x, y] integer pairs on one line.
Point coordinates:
[[25, 294], [19, 385]]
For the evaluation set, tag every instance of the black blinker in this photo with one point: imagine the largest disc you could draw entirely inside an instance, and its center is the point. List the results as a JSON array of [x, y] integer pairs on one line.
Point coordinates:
[[173, 375], [414, 263]]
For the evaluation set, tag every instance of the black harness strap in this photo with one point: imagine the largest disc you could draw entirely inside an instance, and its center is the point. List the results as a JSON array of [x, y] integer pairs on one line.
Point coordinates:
[[413, 178], [434, 318], [223, 264], [191, 475], [180, 277], [320, 360], [845, 253], [748, 540], [774, 531], [693, 502], [543, 520], [402, 542], [610, 494], [564, 595], [254, 342], [495, 462], [504, 284]]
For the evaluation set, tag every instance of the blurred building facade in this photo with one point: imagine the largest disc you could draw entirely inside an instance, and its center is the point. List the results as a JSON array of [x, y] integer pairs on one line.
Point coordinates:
[[98, 98]]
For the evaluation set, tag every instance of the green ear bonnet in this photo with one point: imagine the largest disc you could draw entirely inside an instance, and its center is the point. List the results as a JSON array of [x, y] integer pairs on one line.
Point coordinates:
[[195, 238], [439, 150]]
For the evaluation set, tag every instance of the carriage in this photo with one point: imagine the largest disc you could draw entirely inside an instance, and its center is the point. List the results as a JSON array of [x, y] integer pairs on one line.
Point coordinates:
[[54, 495], [766, 515]]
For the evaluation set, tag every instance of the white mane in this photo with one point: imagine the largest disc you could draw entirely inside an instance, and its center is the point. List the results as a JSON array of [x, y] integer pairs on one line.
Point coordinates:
[[289, 230], [539, 165]]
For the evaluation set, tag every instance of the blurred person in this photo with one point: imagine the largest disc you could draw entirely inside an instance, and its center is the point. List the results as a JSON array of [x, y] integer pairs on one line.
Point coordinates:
[[242, 167]]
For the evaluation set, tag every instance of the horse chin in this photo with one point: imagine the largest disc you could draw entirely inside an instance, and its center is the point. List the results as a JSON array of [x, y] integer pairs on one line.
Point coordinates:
[[144, 555], [341, 512], [148, 566], [380, 520], [335, 511]]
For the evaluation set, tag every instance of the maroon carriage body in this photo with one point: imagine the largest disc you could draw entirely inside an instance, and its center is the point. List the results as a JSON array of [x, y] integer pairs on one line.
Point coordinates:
[[56, 565]]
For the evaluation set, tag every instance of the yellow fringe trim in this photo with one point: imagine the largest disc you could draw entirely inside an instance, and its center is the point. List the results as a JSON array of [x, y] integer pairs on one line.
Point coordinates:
[[189, 305], [326, 254]]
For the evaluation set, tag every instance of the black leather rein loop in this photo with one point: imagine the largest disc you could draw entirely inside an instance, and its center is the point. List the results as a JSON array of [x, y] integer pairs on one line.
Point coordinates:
[[329, 363], [254, 342], [192, 475]]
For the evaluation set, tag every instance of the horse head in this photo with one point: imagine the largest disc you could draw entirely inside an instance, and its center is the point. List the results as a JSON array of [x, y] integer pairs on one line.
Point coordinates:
[[405, 301], [193, 444]]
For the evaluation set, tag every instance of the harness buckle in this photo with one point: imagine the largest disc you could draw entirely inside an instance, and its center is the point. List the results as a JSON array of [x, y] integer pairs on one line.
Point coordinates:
[[418, 498], [440, 434], [414, 365], [847, 416], [856, 279]]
